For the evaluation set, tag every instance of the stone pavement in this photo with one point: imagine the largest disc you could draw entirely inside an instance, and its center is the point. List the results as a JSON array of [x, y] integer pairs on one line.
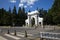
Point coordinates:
[[31, 32], [19, 36]]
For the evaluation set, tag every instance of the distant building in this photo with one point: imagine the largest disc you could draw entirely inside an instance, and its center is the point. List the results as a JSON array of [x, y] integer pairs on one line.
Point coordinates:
[[34, 19]]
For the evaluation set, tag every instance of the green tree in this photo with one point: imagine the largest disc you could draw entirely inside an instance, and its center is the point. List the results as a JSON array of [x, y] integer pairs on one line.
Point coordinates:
[[45, 16], [3, 17], [21, 16], [14, 14], [55, 12], [18, 16], [9, 17], [0, 15], [43, 13]]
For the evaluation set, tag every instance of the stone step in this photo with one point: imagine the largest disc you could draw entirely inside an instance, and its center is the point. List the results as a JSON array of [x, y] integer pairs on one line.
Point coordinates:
[[11, 36], [19, 36], [22, 34], [2, 38]]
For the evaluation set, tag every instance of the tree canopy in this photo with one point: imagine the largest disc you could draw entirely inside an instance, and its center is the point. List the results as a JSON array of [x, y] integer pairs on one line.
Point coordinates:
[[54, 12], [8, 18]]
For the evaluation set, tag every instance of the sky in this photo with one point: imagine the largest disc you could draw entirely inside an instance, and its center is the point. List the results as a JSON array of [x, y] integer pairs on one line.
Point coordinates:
[[27, 4]]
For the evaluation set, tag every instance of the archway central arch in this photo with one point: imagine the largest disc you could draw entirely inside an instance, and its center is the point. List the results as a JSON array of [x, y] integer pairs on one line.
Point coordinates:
[[33, 21]]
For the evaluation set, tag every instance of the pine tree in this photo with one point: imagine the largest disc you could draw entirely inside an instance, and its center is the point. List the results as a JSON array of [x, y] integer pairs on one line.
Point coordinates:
[[14, 15], [10, 16], [55, 12], [21, 16]]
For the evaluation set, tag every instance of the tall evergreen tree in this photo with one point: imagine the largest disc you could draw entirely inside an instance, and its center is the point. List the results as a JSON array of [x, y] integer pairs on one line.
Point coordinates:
[[14, 14], [55, 12], [10, 16], [0, 15], [21, 16], [3, 19]]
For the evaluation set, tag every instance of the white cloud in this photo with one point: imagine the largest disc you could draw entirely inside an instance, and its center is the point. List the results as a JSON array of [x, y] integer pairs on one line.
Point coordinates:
[[23, 1], [27, 2], [30, 2], [13, 1], [25, 6], [21, 5]]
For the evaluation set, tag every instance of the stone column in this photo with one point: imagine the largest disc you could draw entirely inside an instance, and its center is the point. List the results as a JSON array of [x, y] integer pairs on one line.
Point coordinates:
[[36, 20], [29, 24], [42, 24]]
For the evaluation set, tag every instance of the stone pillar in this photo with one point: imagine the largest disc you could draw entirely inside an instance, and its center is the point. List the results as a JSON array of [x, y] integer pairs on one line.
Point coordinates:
[[29, 24], [42, 24], [36, 20]]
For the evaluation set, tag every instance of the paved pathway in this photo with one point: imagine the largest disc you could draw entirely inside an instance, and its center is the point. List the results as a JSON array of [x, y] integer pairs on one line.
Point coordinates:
[[19, 36], [31, 32]]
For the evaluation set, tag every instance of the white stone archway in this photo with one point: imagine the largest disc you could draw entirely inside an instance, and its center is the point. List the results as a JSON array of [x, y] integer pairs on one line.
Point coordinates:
[[35, 15]]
